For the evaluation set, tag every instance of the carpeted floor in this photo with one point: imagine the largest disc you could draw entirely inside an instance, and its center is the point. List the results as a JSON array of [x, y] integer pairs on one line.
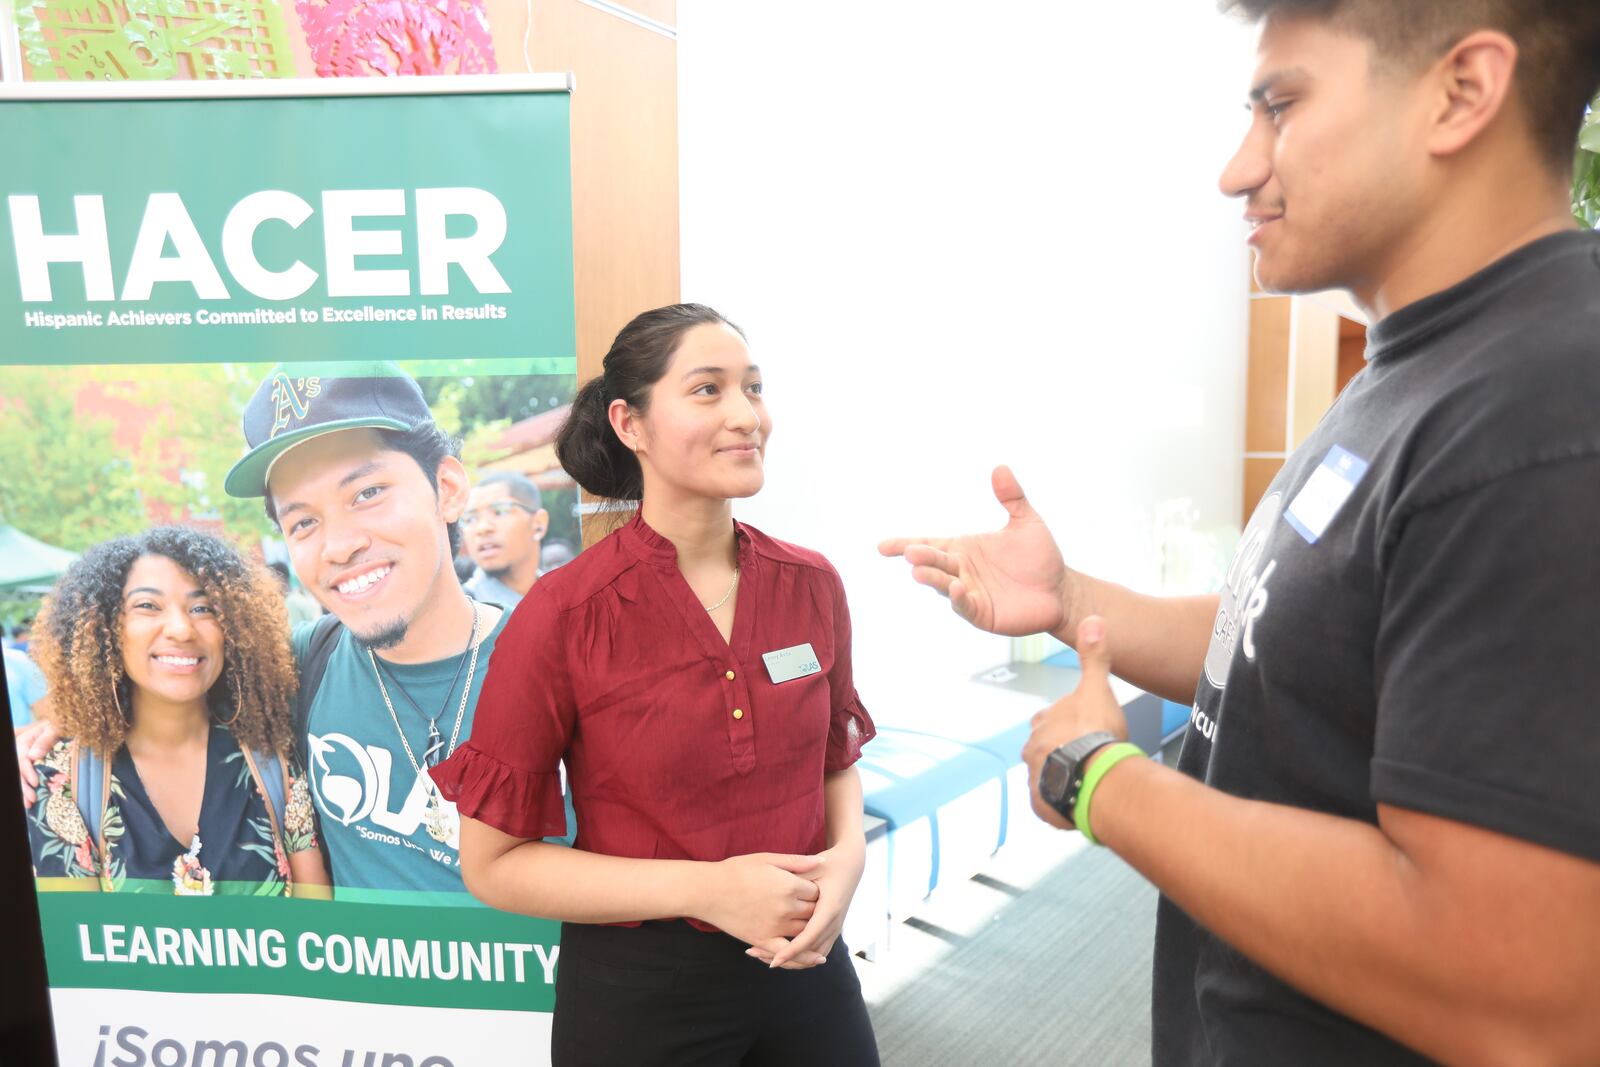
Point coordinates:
[[1060, 977]]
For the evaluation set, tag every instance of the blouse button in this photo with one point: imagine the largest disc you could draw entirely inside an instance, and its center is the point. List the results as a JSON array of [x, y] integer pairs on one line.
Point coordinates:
[[729, 676], [738, 713]]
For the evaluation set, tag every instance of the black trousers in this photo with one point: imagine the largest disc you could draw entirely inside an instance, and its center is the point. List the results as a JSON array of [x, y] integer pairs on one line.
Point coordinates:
[[665, 993]]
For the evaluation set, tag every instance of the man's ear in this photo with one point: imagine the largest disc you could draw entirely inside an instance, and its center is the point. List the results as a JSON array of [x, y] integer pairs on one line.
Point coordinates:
[[541, 523], [454, 488], [1473, 88]]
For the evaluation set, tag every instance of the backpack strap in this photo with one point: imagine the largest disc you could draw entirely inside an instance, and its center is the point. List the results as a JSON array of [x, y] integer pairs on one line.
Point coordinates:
[[272, 773], [91, 788], [87, 771], [324, 636], [268, 774]]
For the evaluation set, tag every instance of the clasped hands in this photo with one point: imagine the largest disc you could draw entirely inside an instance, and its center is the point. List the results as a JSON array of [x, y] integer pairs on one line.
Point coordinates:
[[788, 909]]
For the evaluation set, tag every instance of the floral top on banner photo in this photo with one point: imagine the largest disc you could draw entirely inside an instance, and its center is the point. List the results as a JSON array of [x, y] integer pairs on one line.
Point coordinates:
[[236, 851]]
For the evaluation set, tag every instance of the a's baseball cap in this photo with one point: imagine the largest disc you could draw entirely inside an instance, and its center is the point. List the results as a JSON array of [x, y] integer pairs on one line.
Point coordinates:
[[299, 401]]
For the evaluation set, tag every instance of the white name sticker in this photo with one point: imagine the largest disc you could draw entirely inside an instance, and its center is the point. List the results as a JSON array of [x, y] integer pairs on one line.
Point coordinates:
[[787, 664], [1324, 493]]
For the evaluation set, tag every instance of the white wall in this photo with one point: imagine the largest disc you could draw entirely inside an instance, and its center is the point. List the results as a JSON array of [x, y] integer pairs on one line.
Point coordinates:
[[964, 235]]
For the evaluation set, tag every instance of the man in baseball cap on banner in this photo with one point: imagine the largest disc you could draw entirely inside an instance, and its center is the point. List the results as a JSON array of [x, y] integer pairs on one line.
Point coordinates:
[[367, 490]]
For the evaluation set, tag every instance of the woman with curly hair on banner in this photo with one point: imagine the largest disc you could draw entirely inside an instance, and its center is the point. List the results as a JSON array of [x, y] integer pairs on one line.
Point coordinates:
[[167, 656]]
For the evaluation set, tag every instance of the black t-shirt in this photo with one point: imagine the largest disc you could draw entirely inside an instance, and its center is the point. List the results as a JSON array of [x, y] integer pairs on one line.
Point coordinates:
[[1412, 619]]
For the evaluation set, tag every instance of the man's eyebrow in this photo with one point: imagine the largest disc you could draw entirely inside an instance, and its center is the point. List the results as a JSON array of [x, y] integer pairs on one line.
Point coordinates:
[[369, 467], [361, 472], [1267, 84]]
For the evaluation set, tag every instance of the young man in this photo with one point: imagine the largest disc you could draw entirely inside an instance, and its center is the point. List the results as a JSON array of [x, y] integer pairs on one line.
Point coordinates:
[[367, 491], [1382, 841], [504, 524]]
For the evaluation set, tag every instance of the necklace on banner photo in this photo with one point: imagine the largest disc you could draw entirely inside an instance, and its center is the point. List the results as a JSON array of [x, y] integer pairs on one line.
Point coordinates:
[[442, 825]]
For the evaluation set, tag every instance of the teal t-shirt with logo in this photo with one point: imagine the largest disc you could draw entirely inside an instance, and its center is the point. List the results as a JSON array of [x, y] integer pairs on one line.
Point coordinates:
[[372, 805]]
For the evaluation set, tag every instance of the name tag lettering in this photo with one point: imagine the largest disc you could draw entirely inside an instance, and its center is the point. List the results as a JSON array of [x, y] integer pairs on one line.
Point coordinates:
[[787, 664]]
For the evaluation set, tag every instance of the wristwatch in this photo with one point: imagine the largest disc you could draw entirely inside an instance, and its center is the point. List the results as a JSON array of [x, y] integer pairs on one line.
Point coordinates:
[[1062, 774]]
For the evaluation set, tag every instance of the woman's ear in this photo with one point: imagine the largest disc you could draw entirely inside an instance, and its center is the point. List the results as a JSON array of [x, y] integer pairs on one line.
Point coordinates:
[[627, 424]]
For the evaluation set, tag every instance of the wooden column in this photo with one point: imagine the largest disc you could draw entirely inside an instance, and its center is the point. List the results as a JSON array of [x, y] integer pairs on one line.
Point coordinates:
[[624, 61], [1303, 350]]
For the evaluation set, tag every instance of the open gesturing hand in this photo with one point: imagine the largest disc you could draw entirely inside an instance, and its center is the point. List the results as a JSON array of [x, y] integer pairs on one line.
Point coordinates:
[[1012, 581]]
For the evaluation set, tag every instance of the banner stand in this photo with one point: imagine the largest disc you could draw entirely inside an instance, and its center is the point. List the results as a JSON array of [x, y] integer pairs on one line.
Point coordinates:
[[178, 258]]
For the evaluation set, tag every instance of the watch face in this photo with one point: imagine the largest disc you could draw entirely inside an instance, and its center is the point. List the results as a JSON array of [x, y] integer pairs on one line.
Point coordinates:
[[1054, 778]]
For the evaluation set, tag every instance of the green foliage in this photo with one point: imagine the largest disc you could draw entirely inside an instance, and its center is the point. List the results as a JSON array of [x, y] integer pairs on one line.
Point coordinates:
[[70, 480], [1586, 171], [494, 398], [65, 480], [196, 436]]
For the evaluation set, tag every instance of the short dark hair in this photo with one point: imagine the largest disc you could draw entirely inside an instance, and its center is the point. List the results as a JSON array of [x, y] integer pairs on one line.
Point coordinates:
[[587, 446], [1558, 71], [518, 486], [428, 445]]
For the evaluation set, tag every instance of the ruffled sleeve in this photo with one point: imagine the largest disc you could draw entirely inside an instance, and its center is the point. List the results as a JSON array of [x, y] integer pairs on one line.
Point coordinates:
[[513, 800], [506, 774], [849, 725]]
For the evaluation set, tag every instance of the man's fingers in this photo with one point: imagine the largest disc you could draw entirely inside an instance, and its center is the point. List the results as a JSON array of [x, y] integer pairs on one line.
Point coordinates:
[[26, 772], [966, 605], [921, 555], [934, 578], [1094, 651], [896, 546]]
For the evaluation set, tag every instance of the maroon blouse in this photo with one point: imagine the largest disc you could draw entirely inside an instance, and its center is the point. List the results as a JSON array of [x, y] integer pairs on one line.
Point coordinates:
[[678, 744]]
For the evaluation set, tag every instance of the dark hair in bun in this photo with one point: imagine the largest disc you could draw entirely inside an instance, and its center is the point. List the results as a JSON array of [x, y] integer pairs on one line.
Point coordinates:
[[587, 446]]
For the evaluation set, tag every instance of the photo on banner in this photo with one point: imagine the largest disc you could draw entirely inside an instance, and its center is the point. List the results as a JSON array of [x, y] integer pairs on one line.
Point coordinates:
[[277, 300]]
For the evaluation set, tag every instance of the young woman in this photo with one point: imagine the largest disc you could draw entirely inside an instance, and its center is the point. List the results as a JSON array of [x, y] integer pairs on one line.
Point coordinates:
[[167, 657], [694, 674]]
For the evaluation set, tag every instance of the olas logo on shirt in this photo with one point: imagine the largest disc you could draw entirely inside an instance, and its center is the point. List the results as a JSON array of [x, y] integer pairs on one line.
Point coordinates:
[[351, 783]]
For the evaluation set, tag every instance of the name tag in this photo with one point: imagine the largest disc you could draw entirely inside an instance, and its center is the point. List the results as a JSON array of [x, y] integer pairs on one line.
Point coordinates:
[[1324, 493], [787, 664]]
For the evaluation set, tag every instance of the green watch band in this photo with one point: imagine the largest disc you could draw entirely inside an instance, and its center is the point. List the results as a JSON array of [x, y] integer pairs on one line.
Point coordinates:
[[1105, 759]]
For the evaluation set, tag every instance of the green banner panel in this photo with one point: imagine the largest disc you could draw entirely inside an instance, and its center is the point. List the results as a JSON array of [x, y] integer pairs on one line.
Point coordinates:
[[453, 957], [270, 228]]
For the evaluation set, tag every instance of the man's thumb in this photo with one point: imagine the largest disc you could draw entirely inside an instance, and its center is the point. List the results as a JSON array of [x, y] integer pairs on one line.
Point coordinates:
[[1093, 650], [1008, 491]]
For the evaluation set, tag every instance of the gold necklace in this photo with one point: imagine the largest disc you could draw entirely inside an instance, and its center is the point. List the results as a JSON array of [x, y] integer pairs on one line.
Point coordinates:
[[726, 595], [441, 827]]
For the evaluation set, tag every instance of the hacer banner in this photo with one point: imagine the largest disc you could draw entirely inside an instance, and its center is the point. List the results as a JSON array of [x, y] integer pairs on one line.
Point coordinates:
[[172, 230], [279, 380]]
